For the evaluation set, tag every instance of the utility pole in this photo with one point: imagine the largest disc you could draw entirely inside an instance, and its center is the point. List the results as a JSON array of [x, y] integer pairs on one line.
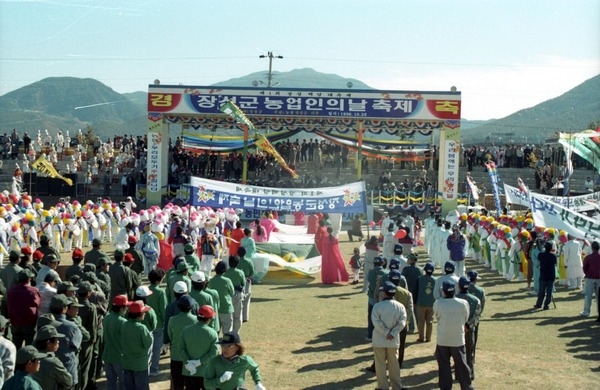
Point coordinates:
[[270, 56]]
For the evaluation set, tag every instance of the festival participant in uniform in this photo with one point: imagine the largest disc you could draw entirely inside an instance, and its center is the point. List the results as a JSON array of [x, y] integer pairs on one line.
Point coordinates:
[[77, 267], [405, 298], [474, 314], [199, 346], [94, 255], [371, 251], [372, 277], [503, 248], [27, 363], [208, 242], [158, 302], [138, 257], [175, 330], [191, 259], [247, 266], [517, 256], [480, 294], [227, 371], [452, 314], [120, 277], [9, 273], [226, 291], [52, 373], [136, 341], [389, 318], [572, 254], [181, 275], [150, 321], [8, 353], [448, 276], [492, 243], [424, 299], [238, 279], [68, 348]]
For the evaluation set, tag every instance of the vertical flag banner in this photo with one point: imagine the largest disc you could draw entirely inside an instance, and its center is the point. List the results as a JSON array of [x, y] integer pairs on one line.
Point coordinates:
[[494, 178], [236, 113], [449, 165], [44, 166]]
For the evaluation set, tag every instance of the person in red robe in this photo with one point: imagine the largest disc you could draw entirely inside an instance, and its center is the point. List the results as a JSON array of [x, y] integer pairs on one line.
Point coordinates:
[[333, 269], [236, 238]]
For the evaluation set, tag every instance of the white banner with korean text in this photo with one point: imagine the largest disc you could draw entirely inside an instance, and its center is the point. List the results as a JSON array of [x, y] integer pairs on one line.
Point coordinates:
[[578, 203]]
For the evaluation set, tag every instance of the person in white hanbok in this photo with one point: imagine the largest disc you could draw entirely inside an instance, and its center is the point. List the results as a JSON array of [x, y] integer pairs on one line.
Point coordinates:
[[573, 263]]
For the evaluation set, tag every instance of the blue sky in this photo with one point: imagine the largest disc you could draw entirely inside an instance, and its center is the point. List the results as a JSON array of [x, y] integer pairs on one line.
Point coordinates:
[[502, 55]]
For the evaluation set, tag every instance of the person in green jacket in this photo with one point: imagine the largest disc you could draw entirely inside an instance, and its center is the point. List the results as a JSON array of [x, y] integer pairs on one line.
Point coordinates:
[[238, 279], [158, 302], [247, 266], [175, 330], [199, 345], [202, 297], [424, 300], [52, 374], [150, 320], [112, 353], [224, 287], [181, 275], [27, 363], [227, 371], [191, 259], [136, 341]]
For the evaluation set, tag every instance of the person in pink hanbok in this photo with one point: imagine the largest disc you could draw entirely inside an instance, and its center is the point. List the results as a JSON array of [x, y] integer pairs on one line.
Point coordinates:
[[259, 234], [319, 234], [333, 269]]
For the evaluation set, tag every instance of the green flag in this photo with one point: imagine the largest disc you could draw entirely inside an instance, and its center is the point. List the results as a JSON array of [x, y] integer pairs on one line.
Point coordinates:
[[236, 113]]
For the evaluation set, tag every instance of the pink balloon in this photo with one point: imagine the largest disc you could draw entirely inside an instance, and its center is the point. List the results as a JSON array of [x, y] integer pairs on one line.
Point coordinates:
[[372, 224]]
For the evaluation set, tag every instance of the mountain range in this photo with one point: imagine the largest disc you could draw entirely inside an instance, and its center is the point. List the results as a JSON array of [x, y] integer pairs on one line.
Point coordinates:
[[68, 103]]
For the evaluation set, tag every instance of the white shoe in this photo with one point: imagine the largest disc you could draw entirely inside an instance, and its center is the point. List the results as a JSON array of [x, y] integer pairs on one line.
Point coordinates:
[[583, 314]]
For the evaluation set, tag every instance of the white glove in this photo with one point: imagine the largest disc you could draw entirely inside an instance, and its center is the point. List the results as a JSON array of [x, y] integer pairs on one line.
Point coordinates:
[[259, 386], [226, 376], [197, 363], [190, 367]]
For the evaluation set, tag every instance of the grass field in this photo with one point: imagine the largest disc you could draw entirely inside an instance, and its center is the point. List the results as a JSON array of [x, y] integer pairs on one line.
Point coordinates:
[[306, 335]]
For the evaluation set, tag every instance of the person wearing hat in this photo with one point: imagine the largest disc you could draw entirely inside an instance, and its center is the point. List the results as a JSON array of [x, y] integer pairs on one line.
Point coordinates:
[[103, 276], [175, 329], [94, 255], [8, 353], [394, 264], [238, 279], [227, 371], [46, 249], [457, 245], [77, 267], [49, 265], [52, 373], [178, 240], [224, 287], [247, 266], [9, 273], [452, 314], [121, 277], [23, 306], [371, 278], [88, 315], [136, 341], [448, 276], [150, 247], [47, 290], [181, 275], [199, 346], [405, 298], [112, 352], [27, 363], [68, 348], [424, 299], [150, 320], [66, 288], [121, 239], [138, 256], [37, 256], [26, 255], [474, 314], [412, 273], [203, 297], [371, 251], [180, 290], [191, 259], [389, 318], [158, 302]]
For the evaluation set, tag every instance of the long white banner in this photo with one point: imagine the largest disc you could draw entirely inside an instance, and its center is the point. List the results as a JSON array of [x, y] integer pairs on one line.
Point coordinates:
[[549, 214], [578, 203]]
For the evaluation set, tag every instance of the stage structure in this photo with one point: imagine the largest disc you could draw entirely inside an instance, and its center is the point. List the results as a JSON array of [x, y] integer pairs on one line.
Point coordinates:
[[277, 109]]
